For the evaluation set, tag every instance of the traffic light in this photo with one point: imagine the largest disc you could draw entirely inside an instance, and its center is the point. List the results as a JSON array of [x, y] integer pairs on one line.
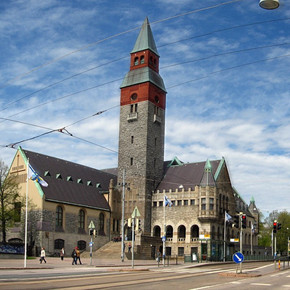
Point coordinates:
[[274, 227], [138, 225], [91, 232], [244, 221], [279, 226], [236, 219]]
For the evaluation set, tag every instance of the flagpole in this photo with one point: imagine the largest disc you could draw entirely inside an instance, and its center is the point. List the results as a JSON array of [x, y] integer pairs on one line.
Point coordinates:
[[225, 224], [164, 234], [26, 206]]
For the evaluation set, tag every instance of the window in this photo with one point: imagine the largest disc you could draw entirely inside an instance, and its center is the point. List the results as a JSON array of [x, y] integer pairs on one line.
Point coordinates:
[[82, 219], [101, 224], [142, 59], [136, 60], [58, 244], [156, 111], [131, 161], [194, 231], [17, 212], [203, 204], [185, 202], [169, 232], [160, 203], [134, 97], [154, 203], [173, 202], [180, 251], [192, 202], [211, 204], [181, 232], [156, 231], [134, 108], [179, 202], [82, 245], [132, 139], [59, 216]]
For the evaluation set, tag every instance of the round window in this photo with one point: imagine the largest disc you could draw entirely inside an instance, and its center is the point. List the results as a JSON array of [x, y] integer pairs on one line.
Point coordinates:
[[134, 97]]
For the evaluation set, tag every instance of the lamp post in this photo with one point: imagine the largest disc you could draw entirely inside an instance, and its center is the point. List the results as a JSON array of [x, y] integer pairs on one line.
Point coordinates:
[[269, 4]]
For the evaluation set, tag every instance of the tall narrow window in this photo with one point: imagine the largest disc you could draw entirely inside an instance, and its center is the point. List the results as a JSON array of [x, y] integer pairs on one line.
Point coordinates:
[[211, 204], [17, 212], [142, 59], [203, 204], [136, 61], [131, 161], [81, 219], [59, 216], [132, 139], [101, 224]]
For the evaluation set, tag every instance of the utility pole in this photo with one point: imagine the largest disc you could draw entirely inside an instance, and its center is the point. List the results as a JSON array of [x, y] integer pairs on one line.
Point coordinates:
[[241, 238]]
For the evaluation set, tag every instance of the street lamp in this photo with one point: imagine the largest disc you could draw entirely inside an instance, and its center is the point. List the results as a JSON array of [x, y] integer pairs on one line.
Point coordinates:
[[269, 4]]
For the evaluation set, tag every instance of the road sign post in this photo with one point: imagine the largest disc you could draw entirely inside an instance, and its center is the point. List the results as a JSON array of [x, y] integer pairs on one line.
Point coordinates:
[[91, 228], [135, 214], [238, 258]]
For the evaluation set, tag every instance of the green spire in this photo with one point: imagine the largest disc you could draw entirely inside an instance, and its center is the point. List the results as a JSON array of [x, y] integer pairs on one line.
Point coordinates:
[[145, 39], [252, 199], [207, 167]]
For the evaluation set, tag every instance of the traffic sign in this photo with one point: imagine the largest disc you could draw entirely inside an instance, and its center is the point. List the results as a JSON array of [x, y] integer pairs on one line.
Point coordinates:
[[238, 257], [92, 225], [163, 239], [90, 244], [136, 212]]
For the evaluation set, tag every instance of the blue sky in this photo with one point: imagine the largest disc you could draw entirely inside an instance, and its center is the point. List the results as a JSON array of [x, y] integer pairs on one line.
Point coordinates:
[[225, 65]]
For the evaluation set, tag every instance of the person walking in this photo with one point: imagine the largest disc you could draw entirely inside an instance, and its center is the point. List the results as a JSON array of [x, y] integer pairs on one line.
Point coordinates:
[[78, 255], [62, 254], [42, 256], [74, 257]]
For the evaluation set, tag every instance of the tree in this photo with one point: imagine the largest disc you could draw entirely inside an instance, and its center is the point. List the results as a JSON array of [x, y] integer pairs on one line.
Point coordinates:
[[10, 202], [282, 235]]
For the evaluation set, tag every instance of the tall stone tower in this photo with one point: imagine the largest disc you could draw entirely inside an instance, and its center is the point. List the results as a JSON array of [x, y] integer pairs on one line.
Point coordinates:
[[142, 123]]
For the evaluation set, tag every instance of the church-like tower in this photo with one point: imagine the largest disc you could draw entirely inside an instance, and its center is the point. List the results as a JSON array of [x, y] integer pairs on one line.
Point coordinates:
[[142, 125]]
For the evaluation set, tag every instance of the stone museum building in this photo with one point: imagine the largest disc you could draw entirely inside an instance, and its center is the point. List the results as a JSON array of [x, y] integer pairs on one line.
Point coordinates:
[[199, 193]]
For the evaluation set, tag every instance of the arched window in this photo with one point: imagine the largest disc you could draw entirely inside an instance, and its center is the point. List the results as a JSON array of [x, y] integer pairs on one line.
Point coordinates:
[[169, 232], [82, 245], [58, 244], [194, 232], [59, 216], [82, 219], [181, 232], [142, 59], [156, 231], [136, 60], [101, 224]]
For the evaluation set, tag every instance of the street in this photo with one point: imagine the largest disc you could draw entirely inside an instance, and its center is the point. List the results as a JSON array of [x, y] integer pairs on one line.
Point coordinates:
[[186, 276]]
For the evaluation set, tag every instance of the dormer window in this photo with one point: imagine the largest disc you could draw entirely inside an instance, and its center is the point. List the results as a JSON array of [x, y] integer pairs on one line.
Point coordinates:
[[58, 176], [79, 180], [69, 178], [46, 173]]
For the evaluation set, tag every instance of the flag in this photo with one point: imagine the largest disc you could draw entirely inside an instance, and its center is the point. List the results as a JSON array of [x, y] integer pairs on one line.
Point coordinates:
[[33, 175], [167, 201], [227, 217]]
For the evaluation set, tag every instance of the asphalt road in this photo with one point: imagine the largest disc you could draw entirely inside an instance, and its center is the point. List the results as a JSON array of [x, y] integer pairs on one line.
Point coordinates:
[[221, 276]]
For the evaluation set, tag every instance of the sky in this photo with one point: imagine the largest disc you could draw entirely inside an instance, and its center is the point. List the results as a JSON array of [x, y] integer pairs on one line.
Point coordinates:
[[225, 65]]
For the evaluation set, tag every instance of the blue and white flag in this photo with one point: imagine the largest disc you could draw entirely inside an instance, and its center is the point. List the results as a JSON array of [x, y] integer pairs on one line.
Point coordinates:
[[33, 175], [227, 217], [167, 201]]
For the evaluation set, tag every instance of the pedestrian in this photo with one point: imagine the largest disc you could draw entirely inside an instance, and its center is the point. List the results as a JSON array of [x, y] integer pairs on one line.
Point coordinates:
[[158, 257], [42, 256], [74, 257], [78, 255], [62, 254], [129, 248]]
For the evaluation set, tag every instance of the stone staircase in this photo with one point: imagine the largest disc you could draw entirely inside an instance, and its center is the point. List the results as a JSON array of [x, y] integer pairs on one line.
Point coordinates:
[[111, 250]]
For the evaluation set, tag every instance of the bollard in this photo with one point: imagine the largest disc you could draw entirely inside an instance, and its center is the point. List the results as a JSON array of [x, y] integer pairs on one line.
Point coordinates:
[[279, 265]]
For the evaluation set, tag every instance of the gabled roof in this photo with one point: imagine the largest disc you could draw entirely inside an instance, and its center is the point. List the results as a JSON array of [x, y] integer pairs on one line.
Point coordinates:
[[71, 183], [145, 39], [187, 174]]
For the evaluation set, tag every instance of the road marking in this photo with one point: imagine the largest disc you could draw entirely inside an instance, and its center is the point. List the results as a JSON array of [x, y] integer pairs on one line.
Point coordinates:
[[261, 284], [286, 286], [235, 282]]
